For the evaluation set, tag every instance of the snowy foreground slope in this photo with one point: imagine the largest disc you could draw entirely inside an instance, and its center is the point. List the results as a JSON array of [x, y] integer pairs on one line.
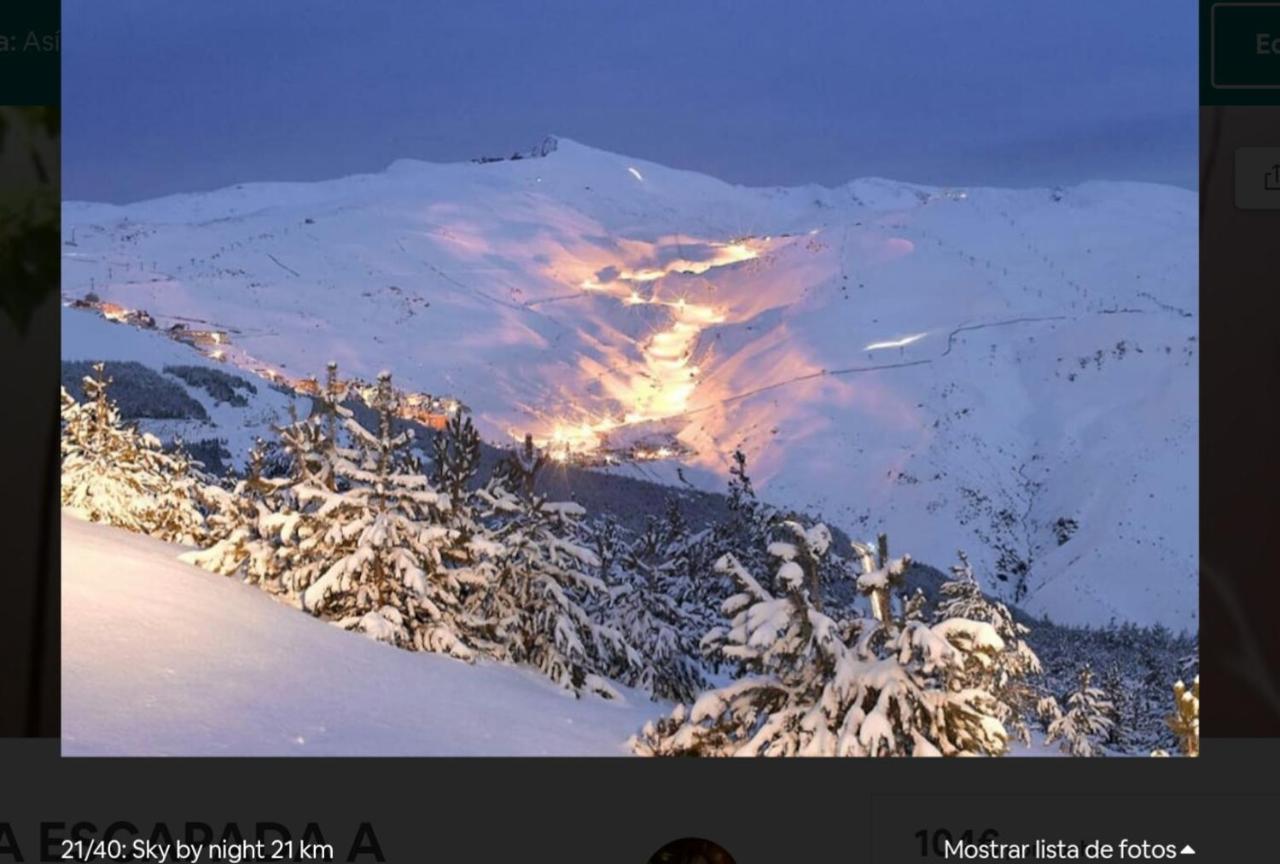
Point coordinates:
[[161, 658], [1012, 372]]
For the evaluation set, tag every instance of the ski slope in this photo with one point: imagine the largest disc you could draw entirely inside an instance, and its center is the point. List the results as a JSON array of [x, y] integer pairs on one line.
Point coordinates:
[[161, 658], [1011, 372]]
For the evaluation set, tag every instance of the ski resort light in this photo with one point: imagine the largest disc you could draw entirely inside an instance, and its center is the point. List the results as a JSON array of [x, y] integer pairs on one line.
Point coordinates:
[[896, 343], [662, 384]]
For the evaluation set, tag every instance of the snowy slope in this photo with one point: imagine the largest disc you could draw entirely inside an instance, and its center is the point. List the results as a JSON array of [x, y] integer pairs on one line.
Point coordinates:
[[160, 658], [88, 336], [1013, 372]]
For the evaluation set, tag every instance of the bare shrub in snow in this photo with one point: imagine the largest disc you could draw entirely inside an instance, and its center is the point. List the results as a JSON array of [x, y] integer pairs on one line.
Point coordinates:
[[1185, 720]]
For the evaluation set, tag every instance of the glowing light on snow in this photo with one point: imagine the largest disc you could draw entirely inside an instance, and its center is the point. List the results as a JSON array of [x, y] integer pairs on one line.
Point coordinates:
[[662, 383], [114, 312], [636, 174], [896, 343]]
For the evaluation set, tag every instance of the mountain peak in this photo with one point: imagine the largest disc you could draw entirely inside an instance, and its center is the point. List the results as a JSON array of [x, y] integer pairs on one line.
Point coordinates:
[[548, 145]]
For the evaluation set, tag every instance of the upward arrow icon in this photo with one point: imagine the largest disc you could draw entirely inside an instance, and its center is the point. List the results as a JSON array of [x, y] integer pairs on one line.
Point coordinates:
[[1187, 850]]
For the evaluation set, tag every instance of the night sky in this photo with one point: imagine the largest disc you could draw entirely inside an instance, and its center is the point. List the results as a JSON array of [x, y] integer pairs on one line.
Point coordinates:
[[163, 97]]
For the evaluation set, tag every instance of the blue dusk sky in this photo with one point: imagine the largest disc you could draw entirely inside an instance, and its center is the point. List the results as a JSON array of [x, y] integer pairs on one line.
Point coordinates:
[[162, 96]]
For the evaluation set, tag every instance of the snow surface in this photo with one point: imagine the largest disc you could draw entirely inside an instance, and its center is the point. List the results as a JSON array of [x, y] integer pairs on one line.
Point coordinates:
[[162, 658], [979, 369]]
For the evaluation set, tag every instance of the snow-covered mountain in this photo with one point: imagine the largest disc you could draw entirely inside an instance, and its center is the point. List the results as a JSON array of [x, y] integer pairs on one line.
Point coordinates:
[[1011, 372]]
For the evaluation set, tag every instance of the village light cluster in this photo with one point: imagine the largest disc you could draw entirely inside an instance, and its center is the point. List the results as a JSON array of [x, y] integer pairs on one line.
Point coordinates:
[[429, 410]]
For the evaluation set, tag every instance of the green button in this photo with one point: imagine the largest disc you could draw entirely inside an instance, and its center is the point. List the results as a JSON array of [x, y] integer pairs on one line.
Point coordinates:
[[1245, 41]]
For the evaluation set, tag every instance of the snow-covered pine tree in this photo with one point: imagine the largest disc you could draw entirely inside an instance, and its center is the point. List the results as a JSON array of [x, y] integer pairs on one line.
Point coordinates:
[[672, 564], [313, 520], [522, 467], [314, 445], [72, 420], [1007, 676], [387, 578], [275, 531], [745, 534], [690, 556], [651, 621], [455, 457], [1185, 720], [115, 474], [535, 608], [245, 525], [1087, 720], [455, 460], [1117, 692], [805, 547], [812, 686]]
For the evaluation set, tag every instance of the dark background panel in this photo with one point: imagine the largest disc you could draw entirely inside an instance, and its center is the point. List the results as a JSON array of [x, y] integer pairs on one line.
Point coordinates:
[[593, 810], [29, 254], [30, 192], [1240, 460]]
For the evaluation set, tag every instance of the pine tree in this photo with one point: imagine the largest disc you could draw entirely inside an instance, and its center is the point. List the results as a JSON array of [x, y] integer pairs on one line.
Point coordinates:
[[455, 457], [1087, 720], [387, 578], [689, 555], [244, 524], [1007, 676], [534, 609], [314, 519], [455, 461], [1117, 692], [113, 473], [649, 619], [805, 548], [284, 532], [812, 686]]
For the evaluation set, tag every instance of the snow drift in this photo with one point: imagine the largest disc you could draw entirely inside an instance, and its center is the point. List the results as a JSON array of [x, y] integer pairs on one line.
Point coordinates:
[[161, 658]]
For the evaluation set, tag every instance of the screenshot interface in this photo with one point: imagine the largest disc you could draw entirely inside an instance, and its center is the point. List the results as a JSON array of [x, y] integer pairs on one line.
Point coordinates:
[[639, 431]]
